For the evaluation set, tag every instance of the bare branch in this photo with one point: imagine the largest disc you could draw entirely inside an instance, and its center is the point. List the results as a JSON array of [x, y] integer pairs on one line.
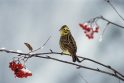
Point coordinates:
[[108, 21], [114, 72], [110, 3], [111, 22], [80, 66]]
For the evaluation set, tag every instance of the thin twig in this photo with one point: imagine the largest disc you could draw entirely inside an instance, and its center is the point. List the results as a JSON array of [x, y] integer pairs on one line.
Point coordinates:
[[41, 46], [109, 2], [46, 42], [110, 22]]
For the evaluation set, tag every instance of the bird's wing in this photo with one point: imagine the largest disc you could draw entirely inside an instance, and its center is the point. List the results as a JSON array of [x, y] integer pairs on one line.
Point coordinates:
[[72, 43]]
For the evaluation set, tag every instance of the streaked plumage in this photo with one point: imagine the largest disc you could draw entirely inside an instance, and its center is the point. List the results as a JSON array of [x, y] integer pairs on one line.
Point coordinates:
[[67, 43]]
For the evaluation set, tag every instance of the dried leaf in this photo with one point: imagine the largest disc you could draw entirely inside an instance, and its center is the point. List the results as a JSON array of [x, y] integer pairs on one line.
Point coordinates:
[[29, 46]]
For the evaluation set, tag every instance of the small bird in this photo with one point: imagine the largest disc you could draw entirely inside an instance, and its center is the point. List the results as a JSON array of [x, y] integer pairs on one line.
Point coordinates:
[[67, 43]]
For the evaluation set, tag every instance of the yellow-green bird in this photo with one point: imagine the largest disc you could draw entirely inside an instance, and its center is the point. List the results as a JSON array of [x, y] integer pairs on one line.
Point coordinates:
[[67, 43]]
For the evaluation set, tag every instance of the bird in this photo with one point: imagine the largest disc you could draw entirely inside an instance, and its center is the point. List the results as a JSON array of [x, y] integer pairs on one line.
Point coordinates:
[[67, 43]]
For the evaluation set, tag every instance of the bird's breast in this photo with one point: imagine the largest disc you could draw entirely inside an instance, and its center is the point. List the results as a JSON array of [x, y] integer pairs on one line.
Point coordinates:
[[66, 52]]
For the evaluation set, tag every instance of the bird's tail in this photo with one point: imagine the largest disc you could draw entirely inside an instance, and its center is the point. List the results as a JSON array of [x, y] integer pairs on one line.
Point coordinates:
[[75, 58]]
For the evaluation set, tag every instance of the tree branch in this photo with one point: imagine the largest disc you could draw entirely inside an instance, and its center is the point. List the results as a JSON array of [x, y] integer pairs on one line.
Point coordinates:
[[113, 7], [110, 22], [114, 72]]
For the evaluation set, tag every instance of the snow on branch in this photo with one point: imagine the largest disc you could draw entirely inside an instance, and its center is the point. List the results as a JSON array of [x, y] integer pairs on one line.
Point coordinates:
[[27, 56]]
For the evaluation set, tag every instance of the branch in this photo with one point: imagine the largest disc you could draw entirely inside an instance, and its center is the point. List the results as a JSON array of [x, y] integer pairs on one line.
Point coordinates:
[[113, 7], [80, 66], [110, 22], [114, 72]]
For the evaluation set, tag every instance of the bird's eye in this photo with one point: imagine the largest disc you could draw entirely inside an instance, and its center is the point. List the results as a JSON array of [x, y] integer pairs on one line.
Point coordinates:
[[64, 29]]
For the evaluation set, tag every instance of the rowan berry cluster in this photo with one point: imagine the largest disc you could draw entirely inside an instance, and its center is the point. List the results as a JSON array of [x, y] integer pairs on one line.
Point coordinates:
[[19, 70], [89, 29]]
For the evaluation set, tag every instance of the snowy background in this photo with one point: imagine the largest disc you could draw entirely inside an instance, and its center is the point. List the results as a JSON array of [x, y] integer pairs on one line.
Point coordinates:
[[33, 21]]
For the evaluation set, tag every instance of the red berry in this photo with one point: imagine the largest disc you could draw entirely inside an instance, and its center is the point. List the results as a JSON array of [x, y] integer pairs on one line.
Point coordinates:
[[19, 66]]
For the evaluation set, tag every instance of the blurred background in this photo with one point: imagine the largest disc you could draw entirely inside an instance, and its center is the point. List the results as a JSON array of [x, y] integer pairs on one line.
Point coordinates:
[[33, 21]]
